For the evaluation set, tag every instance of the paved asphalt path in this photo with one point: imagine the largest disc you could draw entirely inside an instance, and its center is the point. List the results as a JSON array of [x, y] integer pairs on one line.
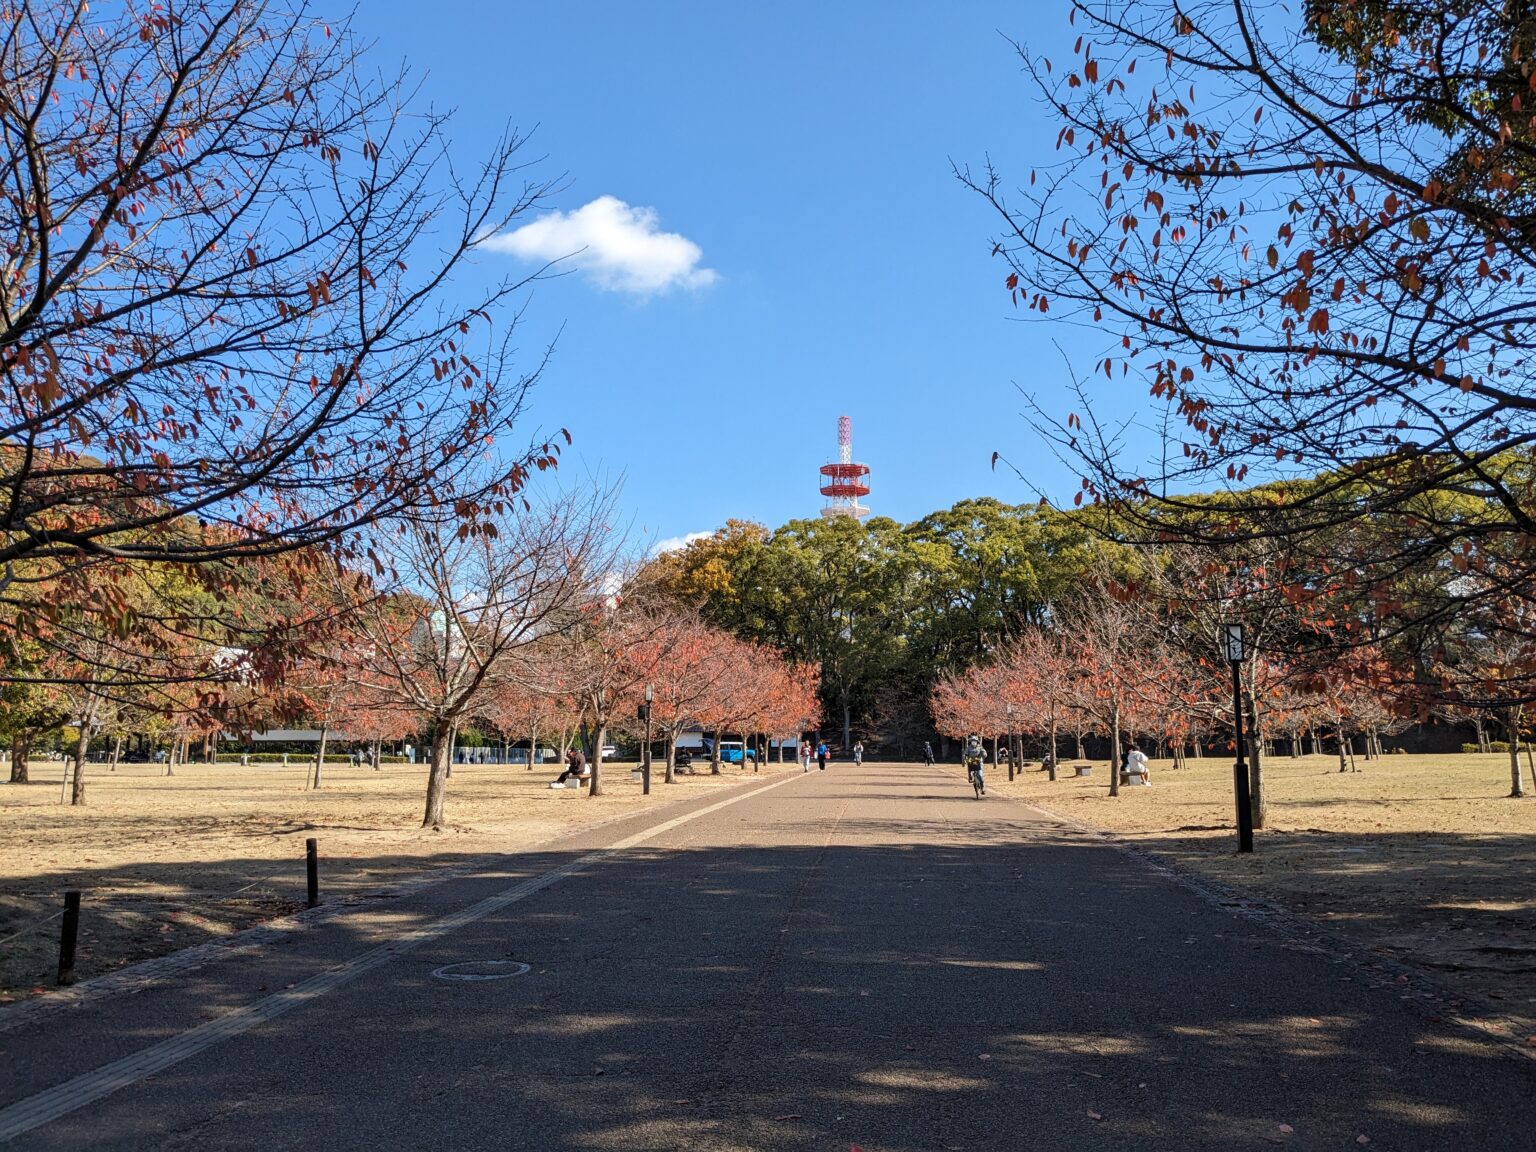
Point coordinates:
[[862, 957]]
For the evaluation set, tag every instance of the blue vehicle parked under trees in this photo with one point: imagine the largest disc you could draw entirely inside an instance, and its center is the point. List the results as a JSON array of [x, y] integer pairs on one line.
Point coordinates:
[[733, 751]]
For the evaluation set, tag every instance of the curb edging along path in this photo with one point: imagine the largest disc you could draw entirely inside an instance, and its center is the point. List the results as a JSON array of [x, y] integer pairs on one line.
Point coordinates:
[[1407, 984], [145, 974]]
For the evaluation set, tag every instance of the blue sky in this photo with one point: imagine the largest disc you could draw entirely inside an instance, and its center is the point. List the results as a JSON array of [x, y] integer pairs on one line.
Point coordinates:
[[822, 258]]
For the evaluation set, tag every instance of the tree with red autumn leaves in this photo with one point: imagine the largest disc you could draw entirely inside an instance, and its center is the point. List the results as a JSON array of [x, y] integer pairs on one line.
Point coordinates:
[[471, 604], [1306, 231], [224, 330], [675, 660]]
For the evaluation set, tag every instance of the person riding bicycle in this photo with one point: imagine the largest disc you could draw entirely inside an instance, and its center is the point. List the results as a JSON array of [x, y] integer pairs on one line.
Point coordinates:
[[975, 761]]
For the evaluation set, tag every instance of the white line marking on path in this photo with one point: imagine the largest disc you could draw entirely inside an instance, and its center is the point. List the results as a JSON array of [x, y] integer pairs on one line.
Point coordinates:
[[62, 1099]]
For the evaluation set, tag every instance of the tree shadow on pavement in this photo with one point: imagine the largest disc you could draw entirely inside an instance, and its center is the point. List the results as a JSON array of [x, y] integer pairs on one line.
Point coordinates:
[[928, 984]]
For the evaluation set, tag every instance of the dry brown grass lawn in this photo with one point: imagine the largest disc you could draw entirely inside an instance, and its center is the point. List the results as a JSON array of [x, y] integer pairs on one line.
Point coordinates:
[[167, 862], [1424, 859]]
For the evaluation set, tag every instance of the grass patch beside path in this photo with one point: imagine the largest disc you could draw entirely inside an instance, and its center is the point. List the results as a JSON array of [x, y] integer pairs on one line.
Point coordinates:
[[168, 862], [1423, 859]]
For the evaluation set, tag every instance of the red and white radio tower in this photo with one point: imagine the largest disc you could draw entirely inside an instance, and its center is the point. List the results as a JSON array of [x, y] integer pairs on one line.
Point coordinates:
[[844, 482]]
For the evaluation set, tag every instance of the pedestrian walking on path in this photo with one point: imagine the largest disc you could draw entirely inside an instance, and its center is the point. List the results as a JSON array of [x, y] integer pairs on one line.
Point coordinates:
[[821, 755], [805, 755], [858, 754], [928, 753]]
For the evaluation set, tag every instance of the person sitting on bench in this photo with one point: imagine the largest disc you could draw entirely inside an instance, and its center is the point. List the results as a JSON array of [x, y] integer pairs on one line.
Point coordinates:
[[575, 765], [1136, 766]]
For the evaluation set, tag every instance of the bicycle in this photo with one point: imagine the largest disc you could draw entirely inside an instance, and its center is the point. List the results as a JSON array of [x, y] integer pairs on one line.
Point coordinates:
[[973, 774]]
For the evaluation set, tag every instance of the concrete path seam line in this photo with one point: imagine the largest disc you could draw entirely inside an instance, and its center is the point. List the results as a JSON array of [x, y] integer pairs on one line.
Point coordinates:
[[71, 1095], [159, 969]]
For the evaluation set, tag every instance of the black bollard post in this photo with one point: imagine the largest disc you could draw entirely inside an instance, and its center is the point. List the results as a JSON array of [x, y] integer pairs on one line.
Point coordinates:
[[312, 866], [67, 936]]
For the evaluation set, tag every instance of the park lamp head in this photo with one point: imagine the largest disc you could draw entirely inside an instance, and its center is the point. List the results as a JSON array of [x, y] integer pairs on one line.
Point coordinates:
[[1232, 643]]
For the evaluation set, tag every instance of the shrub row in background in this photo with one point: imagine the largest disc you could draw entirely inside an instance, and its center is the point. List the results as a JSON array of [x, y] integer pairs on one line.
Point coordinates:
[[299, 758], [1493, 746]]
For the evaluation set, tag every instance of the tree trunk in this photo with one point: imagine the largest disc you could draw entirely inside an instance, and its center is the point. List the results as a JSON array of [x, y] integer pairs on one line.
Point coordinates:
[[671, 756], [77, 790], [847, 726], [320, 756], [1256, 760], [1511, 718], [714, 755], [781, 751], [533, 745], [117, 752], [378, 755], [1051, 736], [1343, 764], [1199, 750], [453, 747], [170, 758], [21, 752], [596, 787], [1114, 750], [437, 778], [1482, 733]]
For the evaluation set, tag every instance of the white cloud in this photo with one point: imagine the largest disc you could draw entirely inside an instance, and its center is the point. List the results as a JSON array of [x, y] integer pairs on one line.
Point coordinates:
[[620, 247], [673, 543]]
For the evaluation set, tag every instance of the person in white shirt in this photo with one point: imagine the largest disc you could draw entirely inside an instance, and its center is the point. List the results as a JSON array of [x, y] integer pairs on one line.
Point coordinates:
[[1136, 765]]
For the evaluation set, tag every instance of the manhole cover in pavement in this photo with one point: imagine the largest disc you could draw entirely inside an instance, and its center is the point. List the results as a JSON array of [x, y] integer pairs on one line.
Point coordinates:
[[471, 970]]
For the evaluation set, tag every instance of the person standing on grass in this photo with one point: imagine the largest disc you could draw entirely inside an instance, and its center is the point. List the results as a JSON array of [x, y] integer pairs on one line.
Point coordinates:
[[821, 755]]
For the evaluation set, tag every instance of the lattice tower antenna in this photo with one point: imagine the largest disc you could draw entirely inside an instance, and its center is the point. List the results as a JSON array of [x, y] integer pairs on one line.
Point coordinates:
[[844, 483]]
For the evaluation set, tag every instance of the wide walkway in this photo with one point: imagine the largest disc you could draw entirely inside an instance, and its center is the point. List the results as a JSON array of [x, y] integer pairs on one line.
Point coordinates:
[[864, 957]]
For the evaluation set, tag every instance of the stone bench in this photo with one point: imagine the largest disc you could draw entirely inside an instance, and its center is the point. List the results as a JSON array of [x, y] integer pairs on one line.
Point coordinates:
[[1082, 770]]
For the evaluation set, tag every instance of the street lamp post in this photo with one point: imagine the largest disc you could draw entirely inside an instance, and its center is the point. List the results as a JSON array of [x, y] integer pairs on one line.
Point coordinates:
[[1010, 742], [645, 770], [1233, 643]]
